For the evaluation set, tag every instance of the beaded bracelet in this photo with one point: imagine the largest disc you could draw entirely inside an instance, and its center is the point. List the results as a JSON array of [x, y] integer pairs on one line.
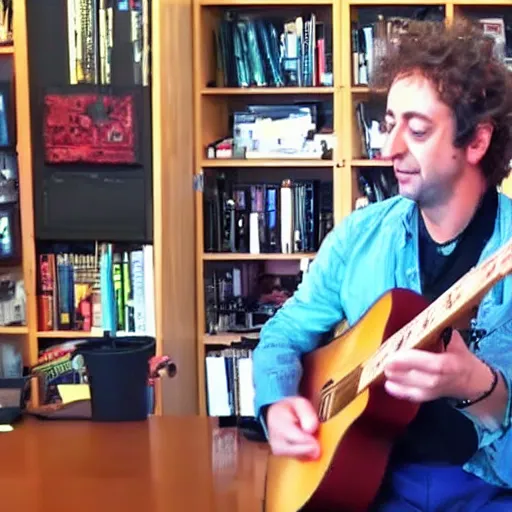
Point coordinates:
[[462, 404]]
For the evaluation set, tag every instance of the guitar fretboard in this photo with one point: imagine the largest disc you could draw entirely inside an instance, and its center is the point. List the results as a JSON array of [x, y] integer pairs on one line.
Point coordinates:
[[429, 324]]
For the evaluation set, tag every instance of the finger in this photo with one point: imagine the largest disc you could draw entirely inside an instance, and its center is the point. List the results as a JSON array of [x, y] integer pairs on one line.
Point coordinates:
[[306, 414], [312, 454], [457, 343], [414, 378], [303, 451], [292, 433], [413, 394], [405, 360], [288, 427]]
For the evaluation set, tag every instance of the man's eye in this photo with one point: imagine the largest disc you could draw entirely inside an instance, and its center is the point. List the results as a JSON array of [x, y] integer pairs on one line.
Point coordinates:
[[418, 134]]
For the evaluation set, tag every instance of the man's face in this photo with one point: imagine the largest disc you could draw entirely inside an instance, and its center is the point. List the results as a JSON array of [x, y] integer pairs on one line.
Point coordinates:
[[420, 141]]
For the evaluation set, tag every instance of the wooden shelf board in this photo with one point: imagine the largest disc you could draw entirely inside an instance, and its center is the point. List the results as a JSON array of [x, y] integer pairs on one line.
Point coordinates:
[[229, 91], [13, 329], [221, 339], [7, 49], [82, 334], [257, 162], [228, 256], [277, 3], [395, 2], [364, 89], [66, 334], [361, 162], [225, 338], [482, 4]]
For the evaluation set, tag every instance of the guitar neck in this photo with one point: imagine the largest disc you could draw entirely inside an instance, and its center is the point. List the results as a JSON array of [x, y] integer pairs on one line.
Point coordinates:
[[424, 330]]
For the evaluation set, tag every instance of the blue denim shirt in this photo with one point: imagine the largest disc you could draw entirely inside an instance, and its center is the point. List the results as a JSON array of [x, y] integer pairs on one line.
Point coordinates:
[[370, 252]]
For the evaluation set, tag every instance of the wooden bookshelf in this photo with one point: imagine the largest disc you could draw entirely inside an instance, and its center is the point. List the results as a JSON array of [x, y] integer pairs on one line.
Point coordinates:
[[24, 150], [173, 201], [212, 105], [188, 114]]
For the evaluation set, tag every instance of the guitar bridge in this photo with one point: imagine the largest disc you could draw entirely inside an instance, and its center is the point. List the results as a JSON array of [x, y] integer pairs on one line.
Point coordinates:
[[326, 400], [328, 384], [334, 396]]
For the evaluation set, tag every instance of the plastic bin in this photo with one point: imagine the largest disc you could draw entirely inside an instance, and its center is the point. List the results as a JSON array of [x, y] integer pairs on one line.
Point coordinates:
[[117, 370]]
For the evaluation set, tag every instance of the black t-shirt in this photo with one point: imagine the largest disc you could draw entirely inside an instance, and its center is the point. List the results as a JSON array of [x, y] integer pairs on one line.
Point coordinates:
[[439, 432]]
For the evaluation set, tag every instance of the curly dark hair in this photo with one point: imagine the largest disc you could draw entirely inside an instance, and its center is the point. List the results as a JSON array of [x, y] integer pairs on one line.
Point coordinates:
[[459, 60]]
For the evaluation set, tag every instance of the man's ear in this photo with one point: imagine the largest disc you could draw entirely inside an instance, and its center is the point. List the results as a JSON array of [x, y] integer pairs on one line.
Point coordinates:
[[479, 145]]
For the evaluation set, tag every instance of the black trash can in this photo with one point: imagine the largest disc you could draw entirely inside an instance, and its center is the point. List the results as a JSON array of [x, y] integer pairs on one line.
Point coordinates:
[[117, 370]]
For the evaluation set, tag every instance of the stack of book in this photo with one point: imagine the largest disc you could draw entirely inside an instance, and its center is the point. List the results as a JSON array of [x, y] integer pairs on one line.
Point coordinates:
[[111, 290], [255, 51]]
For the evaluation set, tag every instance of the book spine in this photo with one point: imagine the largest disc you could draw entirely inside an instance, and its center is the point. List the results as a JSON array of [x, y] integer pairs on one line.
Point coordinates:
[[137, 270]]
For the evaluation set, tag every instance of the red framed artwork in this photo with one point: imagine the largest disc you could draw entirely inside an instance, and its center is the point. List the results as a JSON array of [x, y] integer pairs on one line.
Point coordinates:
[[90, 127]]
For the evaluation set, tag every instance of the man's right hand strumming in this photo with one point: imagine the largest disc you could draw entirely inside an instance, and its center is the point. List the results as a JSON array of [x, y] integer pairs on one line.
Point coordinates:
[[291, 425]]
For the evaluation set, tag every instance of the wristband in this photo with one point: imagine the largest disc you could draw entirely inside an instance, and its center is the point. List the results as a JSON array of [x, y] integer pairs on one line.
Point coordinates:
[[462, 404]]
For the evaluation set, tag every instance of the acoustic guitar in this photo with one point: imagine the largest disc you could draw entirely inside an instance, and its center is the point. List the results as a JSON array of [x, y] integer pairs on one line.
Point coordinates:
[[359, 420]]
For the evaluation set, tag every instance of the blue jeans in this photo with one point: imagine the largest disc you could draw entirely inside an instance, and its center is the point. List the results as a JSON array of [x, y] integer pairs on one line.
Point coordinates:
[[439, 488]]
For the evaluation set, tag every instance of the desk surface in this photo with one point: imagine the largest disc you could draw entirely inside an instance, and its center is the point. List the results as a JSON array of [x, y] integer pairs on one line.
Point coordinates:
[[165, 464]]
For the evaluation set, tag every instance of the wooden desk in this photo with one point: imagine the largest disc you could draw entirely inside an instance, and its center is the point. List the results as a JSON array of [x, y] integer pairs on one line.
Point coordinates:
[[169, 464]]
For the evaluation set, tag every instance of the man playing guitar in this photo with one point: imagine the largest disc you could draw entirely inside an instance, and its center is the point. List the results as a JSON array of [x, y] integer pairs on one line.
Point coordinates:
[[449, 137]]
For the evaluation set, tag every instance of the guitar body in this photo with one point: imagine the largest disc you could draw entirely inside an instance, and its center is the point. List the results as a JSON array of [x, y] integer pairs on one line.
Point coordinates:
[[356, 441]]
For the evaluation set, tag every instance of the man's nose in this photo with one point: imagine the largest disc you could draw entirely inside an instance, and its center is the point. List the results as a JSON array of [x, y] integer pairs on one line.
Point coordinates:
[[394, 145]]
